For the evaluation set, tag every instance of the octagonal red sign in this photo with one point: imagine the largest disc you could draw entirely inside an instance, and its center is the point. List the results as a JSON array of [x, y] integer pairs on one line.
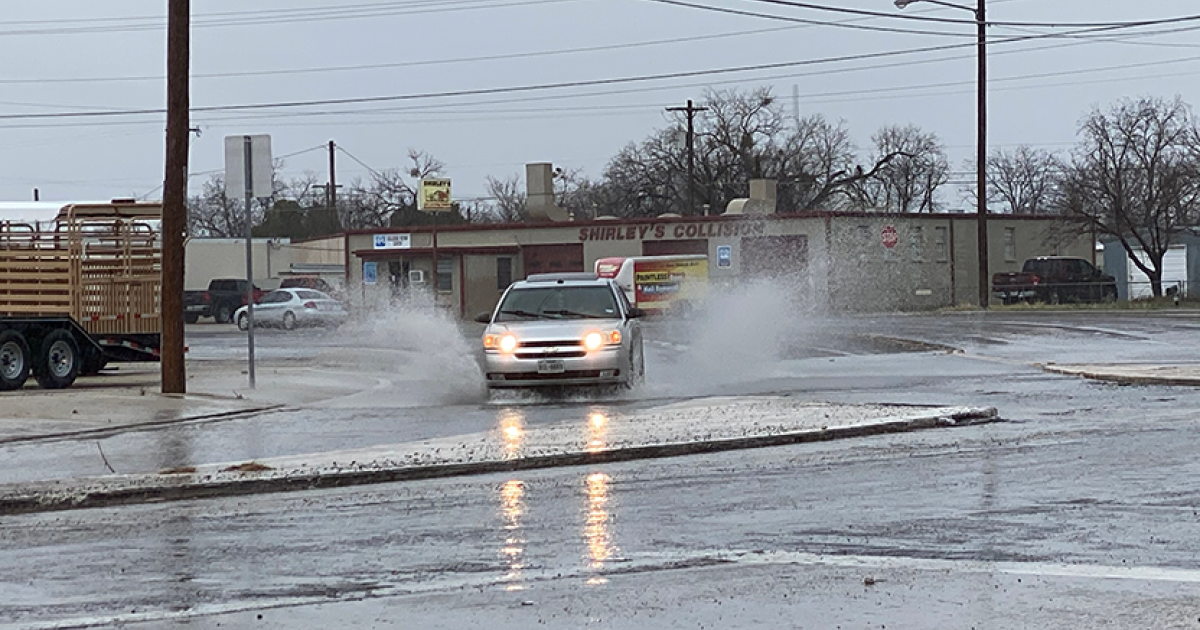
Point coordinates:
[[890, 237]]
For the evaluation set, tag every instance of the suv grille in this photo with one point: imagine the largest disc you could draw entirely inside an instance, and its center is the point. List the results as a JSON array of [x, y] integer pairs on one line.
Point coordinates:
[[552, 344]]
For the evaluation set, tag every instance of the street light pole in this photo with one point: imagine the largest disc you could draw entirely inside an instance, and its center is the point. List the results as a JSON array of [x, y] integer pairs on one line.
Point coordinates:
[[981, 211]]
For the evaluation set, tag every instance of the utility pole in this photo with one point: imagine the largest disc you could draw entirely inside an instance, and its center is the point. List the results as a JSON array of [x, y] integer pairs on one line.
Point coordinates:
[[985, 280], [331, 188], [691, 111], [332, 191], [981, 211], [174, 212]]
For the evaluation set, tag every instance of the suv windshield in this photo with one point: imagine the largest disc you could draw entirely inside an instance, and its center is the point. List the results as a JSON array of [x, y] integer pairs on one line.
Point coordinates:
[[558, 303]]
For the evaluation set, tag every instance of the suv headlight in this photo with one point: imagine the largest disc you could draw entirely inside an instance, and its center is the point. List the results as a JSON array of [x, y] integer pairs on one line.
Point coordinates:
[[594, 340], [503, 343]]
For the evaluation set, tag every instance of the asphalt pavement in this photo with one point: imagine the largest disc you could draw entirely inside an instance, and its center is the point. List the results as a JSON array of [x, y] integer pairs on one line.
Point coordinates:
[[327, 372], [1074, 509]]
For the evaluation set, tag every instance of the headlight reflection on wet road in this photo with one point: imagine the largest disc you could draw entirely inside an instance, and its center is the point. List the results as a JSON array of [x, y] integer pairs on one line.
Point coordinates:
[[597, 529], [512, 430], [512, 508], [597, 431]]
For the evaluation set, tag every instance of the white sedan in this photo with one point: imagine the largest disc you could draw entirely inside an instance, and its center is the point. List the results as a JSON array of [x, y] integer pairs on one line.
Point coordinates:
[[289, 308]]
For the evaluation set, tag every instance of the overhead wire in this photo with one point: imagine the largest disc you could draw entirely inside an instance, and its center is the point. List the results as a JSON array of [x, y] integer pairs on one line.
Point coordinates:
[[544, 86], [157, 24], [350, 155], [926, 18], [319, 147], [409, 64], [428, 62], [542, 98]]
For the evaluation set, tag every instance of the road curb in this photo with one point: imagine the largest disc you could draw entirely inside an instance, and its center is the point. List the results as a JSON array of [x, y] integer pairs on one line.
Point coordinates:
[[160, 488], [111, 430], [1125, 379], [912, 345]]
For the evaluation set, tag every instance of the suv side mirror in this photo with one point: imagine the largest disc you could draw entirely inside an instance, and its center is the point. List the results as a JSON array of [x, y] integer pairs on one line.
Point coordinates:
[[484, 318], [636, 313]]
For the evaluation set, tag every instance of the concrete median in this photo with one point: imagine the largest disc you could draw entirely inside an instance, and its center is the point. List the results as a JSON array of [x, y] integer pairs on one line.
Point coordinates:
[[671, 430]]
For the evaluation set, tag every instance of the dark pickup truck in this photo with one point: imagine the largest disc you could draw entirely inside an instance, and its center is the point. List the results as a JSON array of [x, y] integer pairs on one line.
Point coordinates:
[[219, 301], [1054, 280]]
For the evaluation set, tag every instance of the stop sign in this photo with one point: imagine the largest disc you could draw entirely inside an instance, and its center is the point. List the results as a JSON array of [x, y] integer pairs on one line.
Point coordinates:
[[890, 237]]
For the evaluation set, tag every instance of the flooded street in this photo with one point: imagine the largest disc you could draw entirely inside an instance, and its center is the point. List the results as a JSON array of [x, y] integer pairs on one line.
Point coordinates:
[[1077, 510]]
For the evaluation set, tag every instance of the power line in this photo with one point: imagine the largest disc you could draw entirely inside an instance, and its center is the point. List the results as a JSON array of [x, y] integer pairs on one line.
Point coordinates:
[[922, 18], [216, 171], [540, 87], [360, 162], [156, 24], [410, 64], [430, 62], [541, 98], [277, 12], [811, 22]]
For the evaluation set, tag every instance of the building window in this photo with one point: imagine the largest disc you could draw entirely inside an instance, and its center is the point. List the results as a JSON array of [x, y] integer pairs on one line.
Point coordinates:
[[940, 244], [503, 273], [917, 238], [864, 240], [1010, 244], [445, 271]]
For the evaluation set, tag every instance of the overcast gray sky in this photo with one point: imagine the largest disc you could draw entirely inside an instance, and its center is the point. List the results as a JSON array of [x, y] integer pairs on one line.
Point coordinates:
[[64, 56]]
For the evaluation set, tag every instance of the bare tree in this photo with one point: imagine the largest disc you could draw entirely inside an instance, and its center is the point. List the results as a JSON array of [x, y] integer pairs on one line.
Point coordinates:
[[911, 165], [742, 136], [1135, 176], [508, 200], [372, 204], [1023, 181], [644, 179], [388, 198], [212, 214]]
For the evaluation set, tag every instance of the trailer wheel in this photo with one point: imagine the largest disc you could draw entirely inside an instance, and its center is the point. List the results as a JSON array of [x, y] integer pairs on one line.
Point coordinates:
[[59, 364], [14, 360]]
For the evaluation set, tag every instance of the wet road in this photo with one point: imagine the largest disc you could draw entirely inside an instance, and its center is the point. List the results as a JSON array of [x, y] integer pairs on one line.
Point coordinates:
[[853, 359], [1080, 511], [1079, 524]]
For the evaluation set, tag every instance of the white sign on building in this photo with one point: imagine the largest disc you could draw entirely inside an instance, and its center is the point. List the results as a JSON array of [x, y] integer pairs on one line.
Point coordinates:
[[393, 241]]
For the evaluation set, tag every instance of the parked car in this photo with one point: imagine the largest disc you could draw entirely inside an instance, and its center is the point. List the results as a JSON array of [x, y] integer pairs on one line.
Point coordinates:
[[291, 308], [308, 282], [563, 329], [219, 301], [1054, 279]]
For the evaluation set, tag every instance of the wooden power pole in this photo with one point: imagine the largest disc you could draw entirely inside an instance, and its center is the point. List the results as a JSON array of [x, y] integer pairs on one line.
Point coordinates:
[[174, 219], [691, 111], [332, 192]]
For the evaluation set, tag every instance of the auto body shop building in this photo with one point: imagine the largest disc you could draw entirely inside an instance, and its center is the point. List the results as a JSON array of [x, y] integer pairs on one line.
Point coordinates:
[[832, 261]]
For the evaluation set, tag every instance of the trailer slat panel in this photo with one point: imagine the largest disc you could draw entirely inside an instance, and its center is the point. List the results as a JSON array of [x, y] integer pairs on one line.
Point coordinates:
[[96, 264]]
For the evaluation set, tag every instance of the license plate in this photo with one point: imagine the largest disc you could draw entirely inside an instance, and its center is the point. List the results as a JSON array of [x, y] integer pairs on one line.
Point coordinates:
[[551, 366]]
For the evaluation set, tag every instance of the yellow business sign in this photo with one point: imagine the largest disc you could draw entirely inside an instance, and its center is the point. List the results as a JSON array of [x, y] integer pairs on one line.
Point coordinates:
[[434, 195]]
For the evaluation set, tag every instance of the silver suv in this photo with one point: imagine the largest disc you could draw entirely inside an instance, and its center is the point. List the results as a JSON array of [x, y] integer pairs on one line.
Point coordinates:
[[563, 329]]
